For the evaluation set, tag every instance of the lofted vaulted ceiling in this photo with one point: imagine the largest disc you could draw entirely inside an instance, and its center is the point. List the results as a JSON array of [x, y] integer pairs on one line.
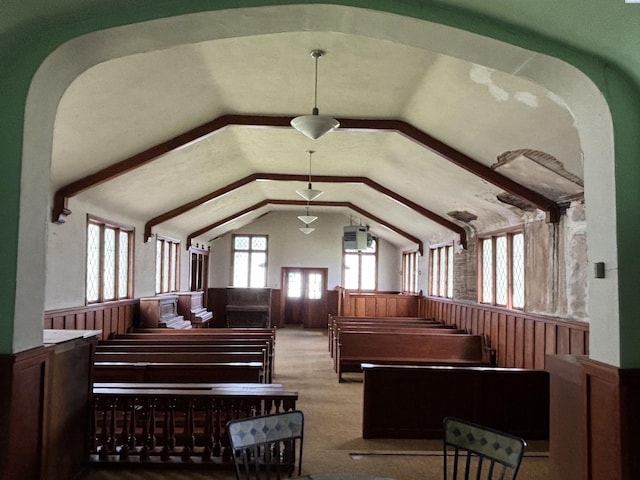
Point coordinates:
[[194, 137]]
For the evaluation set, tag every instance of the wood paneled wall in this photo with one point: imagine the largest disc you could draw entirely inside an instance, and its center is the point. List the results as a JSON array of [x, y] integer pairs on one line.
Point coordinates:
[[111, 318], [378, 304], [521, 340]]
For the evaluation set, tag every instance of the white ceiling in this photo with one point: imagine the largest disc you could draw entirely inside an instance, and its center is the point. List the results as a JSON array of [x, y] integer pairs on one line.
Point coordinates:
[[126, 105]]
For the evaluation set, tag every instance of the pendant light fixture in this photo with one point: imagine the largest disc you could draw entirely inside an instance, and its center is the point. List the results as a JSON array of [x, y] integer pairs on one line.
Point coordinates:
[[315, 126], [309, 193], [307, 219], [306, 229]]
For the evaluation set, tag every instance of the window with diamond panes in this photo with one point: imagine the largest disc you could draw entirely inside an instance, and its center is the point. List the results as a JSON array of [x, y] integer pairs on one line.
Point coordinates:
[[250, 253], [518, 270], [501, 268], [441, 268], [167, 265], [108, 261], [360, 268], [487, 270]]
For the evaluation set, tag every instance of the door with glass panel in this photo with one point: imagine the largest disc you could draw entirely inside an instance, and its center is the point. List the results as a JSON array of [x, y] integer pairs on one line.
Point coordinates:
[[304, 297]]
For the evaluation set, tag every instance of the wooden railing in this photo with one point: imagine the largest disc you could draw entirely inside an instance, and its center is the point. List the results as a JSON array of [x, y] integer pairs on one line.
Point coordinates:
[[172, 424], [111, 317], [521, 340]]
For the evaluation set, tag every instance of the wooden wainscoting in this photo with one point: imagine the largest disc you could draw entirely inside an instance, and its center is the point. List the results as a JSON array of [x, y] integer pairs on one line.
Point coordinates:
[[111, 318], [521, 340], [378, 304]]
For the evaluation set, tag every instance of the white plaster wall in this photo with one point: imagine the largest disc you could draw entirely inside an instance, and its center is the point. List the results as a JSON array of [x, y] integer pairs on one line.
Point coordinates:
[[66, 254], [289, 247]]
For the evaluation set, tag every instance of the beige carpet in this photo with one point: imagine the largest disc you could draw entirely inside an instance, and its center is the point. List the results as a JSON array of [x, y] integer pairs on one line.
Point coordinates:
[[333, 425]]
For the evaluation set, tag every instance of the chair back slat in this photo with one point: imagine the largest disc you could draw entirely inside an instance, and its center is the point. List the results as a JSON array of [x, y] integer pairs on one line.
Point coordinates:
[[489, 454], [267, 445]]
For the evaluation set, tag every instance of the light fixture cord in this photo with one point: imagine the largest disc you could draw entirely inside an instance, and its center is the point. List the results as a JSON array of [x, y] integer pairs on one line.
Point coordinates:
[[315, 93], [310, 153]]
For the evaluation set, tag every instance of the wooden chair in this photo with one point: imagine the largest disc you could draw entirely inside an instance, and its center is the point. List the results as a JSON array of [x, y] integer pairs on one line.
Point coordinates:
[[267, 445], [474, 451]]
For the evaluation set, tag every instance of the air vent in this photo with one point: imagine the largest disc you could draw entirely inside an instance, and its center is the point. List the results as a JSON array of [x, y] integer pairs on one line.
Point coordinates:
[[355, 237]]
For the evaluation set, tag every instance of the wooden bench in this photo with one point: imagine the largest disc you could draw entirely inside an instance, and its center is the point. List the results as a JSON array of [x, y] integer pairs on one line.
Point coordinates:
[[407, 329], [222, 336], [335, 320], [415, 348], [177, 372], [189, 357], [412, 401], [342, 325]]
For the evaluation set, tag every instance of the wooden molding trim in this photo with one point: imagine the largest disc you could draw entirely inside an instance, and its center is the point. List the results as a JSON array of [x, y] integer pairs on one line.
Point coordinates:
[[263, 203], [60, 208]]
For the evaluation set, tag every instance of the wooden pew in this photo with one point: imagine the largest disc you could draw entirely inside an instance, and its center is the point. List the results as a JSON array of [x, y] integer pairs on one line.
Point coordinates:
[[355, 324], [334, 320], [411, 401], [226, 336], [177, 372], [415, 348], [189, 353], [407, 329]]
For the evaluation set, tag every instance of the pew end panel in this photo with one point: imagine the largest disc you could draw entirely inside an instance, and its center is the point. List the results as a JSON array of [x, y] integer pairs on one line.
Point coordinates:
[[411, 401]]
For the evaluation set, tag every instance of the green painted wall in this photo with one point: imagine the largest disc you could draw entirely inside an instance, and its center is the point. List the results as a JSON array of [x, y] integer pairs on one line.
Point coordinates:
[[597, 36]]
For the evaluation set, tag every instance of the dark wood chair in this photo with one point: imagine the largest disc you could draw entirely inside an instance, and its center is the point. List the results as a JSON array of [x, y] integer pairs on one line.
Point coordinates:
[[267, 446], [482, 453]]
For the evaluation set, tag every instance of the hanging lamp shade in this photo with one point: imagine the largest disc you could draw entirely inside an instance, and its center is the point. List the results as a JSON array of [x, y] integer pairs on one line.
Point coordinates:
[[315, 125], [307, 219], [309, 193], [306, 229]]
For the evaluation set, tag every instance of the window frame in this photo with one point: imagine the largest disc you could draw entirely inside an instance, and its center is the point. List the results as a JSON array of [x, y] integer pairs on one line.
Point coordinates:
[[439, 285], [104, 224], [410, 272], [171, 243], [507, 234], [251, 236], [361, 254]]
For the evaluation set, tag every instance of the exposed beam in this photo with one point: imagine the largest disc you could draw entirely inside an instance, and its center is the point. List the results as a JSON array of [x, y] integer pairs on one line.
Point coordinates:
[[551, 208], [60, 201], [263, 203], [318, 179]]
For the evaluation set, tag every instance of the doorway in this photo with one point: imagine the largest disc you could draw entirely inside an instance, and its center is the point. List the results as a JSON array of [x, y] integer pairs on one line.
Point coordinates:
[[304, 297]]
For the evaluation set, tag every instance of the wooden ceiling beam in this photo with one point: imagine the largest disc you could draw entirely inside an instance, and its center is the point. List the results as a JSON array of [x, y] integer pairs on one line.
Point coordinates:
[[349, 205], [303, 178], [60, 208]]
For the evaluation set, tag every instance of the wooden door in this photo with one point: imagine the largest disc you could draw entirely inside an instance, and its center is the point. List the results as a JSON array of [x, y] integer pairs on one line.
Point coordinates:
[[304, 297]]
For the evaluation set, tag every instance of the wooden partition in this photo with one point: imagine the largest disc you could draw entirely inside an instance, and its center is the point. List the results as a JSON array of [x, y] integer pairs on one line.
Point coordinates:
[[377, 304], [594, 419], [520, 339], [111, 318], [402, 401]]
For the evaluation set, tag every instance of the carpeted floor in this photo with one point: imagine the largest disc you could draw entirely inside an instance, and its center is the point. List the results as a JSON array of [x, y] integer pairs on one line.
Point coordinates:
[[333, 422]]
